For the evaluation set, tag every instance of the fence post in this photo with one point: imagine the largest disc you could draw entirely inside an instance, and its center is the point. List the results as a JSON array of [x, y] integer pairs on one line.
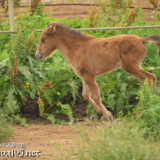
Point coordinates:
[[11, 15]]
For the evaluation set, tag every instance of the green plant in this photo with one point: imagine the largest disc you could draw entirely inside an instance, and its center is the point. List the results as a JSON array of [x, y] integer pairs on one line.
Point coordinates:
[[60, 88], [114, 15], [93, 17], [118, 90], [4, 126], [64, 109], [18, 69], [34, 6], [148, 111]]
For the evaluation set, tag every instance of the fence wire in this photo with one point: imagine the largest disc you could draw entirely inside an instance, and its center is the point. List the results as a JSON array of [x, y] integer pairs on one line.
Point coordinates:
[[100, 29]]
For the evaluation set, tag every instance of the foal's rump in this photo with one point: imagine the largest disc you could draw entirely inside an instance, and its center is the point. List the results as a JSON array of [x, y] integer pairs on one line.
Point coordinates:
[[134, 43], [134, 50], [108, 54]]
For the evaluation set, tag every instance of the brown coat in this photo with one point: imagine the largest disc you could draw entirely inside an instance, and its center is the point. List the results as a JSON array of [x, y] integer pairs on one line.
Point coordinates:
[[90, 57]]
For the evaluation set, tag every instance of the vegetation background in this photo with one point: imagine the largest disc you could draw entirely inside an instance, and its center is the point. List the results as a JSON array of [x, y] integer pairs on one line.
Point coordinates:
[[31, 88]]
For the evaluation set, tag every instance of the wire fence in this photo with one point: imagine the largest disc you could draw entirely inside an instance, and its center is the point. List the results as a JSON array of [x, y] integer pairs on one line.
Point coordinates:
[[92, 29], [99, 29]]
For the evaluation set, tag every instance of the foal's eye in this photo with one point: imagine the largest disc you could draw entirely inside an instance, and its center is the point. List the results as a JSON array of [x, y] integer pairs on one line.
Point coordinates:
[[42, 40]]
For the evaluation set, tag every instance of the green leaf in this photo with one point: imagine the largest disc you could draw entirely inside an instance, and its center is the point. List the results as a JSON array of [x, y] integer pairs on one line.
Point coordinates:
[[111, 101], [11, 101], [21, 121], [74, 90], [50, 117], [66, 109], [26, 72], [38, 73], [4, 63], [22, 95]]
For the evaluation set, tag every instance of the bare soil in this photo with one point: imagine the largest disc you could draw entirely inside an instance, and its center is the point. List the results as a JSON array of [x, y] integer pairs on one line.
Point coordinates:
[[53, 141], [45, 138]]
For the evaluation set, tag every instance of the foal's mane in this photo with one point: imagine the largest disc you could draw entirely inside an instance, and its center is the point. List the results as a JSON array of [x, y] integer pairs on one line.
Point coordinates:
[[73, 32]]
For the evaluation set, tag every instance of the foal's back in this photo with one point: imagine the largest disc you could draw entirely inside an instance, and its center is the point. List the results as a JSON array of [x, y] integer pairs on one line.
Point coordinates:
[[110, 53]]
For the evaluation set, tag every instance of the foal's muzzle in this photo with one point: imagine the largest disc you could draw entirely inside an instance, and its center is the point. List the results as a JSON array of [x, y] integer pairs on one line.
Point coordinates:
[[39, 55]]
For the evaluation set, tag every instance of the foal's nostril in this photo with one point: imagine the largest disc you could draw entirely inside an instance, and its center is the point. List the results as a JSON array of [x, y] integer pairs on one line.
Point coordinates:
[[39, 55], [36, 55]]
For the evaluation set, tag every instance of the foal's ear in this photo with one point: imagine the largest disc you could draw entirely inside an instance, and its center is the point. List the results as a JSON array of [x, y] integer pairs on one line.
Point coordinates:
[[51, 29]]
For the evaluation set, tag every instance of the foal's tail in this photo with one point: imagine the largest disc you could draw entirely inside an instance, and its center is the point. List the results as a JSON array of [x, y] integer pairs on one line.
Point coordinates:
[[153, 39]]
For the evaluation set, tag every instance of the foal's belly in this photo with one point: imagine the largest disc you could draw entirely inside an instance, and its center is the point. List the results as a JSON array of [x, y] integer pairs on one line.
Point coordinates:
[[106, 62]]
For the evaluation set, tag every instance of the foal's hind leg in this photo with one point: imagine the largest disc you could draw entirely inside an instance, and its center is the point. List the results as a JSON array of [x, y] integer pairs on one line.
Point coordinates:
[[141, 75], [131, 62], [94, 90]]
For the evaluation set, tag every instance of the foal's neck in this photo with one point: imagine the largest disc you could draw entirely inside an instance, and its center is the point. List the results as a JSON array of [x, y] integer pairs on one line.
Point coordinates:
[[68, 43]]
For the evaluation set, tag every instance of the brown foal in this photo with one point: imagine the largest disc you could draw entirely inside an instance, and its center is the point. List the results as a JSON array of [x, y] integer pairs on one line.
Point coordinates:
[[90, 57]]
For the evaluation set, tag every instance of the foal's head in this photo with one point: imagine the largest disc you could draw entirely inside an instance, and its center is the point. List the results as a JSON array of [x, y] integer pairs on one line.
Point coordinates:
[[47, 42]]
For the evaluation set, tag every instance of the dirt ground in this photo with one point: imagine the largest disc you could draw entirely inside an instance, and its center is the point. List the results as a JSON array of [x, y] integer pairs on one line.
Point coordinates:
[[50, 140], [53, 141], [45, 138]]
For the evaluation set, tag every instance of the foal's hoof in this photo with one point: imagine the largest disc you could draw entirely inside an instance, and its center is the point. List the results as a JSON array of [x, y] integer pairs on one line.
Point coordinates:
[[109, 116]]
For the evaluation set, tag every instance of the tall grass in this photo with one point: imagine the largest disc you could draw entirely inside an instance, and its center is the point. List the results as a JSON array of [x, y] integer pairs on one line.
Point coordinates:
[[148, 112], [118, 141]]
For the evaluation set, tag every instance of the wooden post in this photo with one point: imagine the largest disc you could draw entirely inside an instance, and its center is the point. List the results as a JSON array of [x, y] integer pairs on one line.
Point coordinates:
[[11, 15]]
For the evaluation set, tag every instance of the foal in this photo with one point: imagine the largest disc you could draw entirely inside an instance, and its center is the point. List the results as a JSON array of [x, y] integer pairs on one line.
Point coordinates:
[[90, 57]]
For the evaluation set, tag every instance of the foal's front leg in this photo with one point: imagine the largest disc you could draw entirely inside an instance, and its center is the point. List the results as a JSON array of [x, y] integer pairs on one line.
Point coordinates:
[[87, 97], [94, 90]]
